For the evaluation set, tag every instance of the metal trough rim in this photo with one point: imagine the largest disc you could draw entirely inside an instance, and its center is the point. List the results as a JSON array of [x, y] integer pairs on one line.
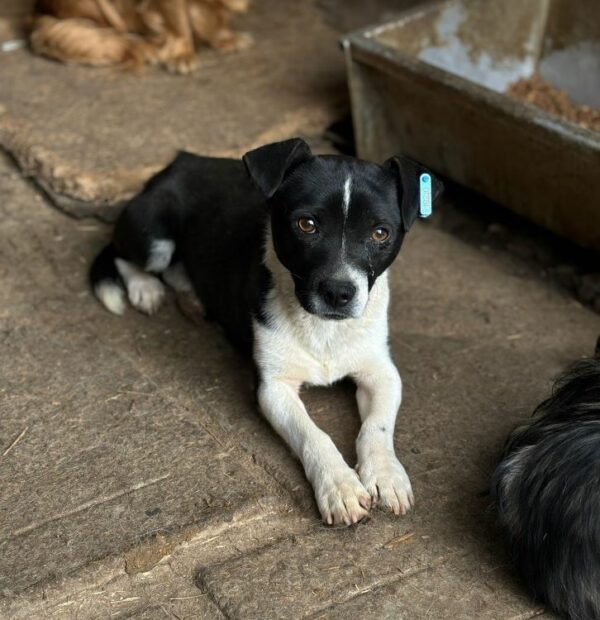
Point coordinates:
[[362, 46]]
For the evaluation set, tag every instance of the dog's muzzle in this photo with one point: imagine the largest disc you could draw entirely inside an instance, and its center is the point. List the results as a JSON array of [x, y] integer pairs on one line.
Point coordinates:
[[336, 297]]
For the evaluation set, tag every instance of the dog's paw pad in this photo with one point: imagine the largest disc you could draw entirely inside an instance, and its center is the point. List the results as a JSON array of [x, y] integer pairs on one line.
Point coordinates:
[[387, 482], [342, 499], [146, 293]]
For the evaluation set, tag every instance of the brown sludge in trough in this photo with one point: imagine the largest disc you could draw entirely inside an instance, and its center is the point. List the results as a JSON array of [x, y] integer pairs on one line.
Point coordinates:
[[539, 92]]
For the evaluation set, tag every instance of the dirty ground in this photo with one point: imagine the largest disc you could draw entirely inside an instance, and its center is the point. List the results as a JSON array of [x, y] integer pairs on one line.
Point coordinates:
[[137, 479]]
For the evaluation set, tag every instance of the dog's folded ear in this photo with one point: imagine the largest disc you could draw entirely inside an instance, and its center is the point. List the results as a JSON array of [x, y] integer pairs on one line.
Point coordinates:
[[409, 174], [268, 165]]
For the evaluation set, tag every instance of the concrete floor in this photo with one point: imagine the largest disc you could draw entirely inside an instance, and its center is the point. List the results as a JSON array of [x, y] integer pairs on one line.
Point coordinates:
[[138, 480], [145, 483]]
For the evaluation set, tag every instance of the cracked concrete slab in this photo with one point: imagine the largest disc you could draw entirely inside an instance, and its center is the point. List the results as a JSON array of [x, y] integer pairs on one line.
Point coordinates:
[[308, 575], [109, 589], [453, 589]]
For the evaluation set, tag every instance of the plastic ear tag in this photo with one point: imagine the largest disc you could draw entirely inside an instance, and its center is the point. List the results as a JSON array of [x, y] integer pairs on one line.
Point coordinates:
[[425, 195]]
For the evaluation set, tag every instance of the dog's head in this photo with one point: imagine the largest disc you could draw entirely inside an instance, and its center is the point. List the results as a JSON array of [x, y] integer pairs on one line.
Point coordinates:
[[337, 223]]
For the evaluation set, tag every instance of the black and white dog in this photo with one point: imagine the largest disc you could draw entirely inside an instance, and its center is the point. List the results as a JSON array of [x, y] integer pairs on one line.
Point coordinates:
[[289, 252], [547, 494]]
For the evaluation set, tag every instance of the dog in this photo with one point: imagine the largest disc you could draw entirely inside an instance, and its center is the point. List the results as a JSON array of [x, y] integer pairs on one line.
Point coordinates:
[[288, 251], [547, 495], [134, 32]]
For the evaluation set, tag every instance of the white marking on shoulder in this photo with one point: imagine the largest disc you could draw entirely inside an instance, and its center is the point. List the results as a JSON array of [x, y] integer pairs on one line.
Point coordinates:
[[161, 252], [111, 296]]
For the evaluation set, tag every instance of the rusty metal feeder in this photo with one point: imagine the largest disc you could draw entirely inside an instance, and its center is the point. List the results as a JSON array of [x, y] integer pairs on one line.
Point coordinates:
[[432, 84]]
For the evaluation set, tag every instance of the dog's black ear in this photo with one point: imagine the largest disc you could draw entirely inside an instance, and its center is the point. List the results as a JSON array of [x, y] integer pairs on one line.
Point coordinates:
[[268, 165], [409, 174]]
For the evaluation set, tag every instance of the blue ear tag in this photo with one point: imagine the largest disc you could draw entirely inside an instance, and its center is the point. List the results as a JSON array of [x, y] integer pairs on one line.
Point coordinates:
[[425, 195]]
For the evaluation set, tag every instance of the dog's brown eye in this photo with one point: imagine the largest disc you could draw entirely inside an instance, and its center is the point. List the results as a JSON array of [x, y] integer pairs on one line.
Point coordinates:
[[307, 225], [380, 234]]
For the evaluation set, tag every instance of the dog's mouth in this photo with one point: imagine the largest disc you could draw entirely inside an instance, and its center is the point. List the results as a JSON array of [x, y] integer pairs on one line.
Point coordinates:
[[313, 305], [333, 316]]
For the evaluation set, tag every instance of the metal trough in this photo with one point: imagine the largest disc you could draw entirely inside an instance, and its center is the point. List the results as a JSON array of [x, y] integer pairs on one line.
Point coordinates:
[[432, 85]]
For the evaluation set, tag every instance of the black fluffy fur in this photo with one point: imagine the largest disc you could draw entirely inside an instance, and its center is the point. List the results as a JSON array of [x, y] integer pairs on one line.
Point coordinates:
[[547, 494]]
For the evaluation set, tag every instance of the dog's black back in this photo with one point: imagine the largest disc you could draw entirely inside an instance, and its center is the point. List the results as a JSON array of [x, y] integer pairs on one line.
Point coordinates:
[[547, 493], [199, 202]]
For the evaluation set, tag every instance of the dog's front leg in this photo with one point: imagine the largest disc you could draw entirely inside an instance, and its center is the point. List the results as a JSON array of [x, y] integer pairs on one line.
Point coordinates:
[[378, 394], [339, 493]]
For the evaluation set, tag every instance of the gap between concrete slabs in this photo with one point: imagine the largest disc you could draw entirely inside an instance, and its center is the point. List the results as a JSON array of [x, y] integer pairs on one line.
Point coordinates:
[[148, 580]]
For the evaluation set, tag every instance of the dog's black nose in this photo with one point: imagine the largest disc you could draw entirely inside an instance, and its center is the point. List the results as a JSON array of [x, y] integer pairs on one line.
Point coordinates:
[[336, 294]]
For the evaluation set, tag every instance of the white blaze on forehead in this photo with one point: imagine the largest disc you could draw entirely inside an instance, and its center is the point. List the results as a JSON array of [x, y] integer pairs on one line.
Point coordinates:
[[346, 200], [345, 207]]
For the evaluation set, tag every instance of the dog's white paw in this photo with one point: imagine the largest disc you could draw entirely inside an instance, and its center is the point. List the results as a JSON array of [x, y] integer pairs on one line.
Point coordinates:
[[341, 497], [387, 482], [146, 293], [111, 295]]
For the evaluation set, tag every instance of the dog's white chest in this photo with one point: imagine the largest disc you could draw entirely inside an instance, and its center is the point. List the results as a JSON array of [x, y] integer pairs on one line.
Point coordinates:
[[316, 367], [300, 348], [328, 371], [295, 361]]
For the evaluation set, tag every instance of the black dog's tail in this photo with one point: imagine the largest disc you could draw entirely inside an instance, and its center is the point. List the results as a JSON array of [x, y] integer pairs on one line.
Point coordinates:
[[547, 494], [106, 281]]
